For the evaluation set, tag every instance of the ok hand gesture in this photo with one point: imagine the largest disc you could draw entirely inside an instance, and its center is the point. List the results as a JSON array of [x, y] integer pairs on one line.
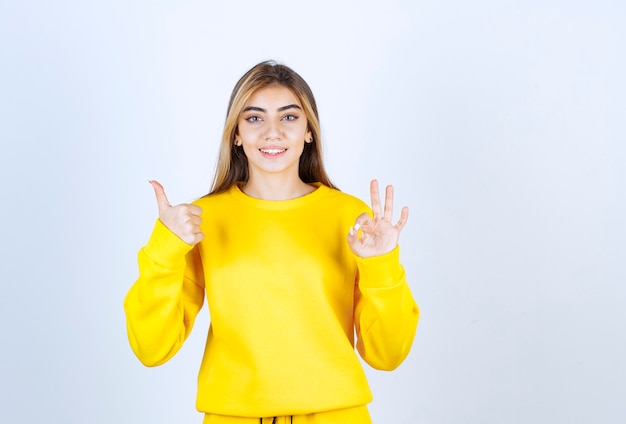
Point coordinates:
[[378, 235], [183, 220]]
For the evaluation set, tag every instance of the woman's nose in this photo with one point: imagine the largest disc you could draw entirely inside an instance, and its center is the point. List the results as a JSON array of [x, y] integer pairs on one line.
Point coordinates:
[[272, 129]]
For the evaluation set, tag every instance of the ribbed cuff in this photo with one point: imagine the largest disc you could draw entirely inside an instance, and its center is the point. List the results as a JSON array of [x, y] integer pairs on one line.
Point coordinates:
[[380, 271], [165, 247]]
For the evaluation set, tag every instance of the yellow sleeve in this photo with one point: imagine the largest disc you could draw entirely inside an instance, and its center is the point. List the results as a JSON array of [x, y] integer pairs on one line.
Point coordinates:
[[386, 314], [162, 305]]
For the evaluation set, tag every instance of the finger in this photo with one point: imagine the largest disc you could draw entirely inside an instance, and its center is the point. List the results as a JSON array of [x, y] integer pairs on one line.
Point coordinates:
[[195, 209], [352, 236], [404, 216], [161, 198], [196, 220], [199, 238], [389, 203], [188, 209], [361, 220], [353, 240], [194, 239], [375, 199]]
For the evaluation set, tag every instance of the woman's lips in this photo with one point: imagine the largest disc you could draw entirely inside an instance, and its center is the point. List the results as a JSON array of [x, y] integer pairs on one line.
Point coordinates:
[[272, 152]]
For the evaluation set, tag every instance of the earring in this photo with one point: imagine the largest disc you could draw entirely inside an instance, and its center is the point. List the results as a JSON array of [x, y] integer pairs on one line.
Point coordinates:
[[310, 140]]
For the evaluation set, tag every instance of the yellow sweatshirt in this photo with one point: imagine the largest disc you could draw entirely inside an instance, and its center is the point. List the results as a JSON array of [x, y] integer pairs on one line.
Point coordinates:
[[285, 296]]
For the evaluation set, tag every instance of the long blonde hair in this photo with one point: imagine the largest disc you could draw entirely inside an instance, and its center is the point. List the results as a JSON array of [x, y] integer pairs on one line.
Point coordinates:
[[232, 164]]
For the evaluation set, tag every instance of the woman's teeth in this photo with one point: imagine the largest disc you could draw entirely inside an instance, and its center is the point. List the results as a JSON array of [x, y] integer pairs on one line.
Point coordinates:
[[272, 151]]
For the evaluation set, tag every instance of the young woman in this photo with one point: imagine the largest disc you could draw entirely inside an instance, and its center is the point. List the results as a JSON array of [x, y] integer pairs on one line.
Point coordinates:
[[291, 268]]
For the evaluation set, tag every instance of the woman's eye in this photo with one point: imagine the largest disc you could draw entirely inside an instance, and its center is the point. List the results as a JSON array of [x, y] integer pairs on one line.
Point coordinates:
[[253, 119], [290, 117]]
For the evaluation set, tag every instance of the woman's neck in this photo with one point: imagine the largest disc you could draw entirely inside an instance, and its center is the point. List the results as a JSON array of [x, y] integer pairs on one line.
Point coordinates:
[[276, 188]]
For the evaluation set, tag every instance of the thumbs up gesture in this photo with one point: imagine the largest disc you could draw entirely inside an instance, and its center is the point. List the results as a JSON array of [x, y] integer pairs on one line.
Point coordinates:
[[183, 220]]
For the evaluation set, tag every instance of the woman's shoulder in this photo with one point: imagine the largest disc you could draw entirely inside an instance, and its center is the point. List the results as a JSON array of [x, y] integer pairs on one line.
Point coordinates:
[[214, 198], [345, 200]]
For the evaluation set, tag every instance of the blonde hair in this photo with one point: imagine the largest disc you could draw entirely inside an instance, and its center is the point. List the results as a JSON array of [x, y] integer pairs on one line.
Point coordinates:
[[232, 164]]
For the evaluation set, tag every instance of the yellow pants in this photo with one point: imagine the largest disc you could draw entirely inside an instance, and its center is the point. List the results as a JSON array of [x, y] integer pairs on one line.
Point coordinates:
[[356, 415]]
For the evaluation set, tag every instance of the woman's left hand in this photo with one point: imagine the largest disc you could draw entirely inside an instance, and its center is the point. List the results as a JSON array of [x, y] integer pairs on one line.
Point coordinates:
[[378, 235]]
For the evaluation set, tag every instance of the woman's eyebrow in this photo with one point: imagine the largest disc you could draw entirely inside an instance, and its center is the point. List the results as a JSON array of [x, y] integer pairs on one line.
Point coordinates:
[[280, 109], [292, 106]]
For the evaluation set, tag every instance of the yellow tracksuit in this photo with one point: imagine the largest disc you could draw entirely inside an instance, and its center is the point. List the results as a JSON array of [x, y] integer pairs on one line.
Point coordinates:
[[285, 296]]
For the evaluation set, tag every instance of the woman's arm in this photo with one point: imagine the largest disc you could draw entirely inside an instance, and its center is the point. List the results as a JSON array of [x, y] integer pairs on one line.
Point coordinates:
[[163, 303], [386, 314]]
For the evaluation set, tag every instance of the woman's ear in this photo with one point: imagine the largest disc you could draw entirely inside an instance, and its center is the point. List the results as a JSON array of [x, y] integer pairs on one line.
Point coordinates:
[[308, 137]]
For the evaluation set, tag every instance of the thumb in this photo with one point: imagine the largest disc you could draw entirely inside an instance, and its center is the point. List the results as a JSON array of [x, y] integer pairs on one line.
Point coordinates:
[[161, 198]]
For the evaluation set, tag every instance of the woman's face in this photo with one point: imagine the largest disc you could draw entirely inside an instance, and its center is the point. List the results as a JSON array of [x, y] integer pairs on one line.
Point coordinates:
[[272, 130]]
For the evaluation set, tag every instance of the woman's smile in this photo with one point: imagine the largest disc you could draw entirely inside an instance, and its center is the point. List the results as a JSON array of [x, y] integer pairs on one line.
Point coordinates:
[[272, 152]]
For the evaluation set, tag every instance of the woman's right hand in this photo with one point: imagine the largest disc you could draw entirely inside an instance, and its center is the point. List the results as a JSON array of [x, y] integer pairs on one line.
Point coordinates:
[[183, 220]]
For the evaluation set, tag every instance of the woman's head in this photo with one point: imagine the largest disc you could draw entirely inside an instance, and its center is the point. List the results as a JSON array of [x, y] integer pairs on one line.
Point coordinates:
[[232, 163]]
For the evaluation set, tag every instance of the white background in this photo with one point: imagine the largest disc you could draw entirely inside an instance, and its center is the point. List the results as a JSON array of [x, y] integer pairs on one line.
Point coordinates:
[[501, 124]]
